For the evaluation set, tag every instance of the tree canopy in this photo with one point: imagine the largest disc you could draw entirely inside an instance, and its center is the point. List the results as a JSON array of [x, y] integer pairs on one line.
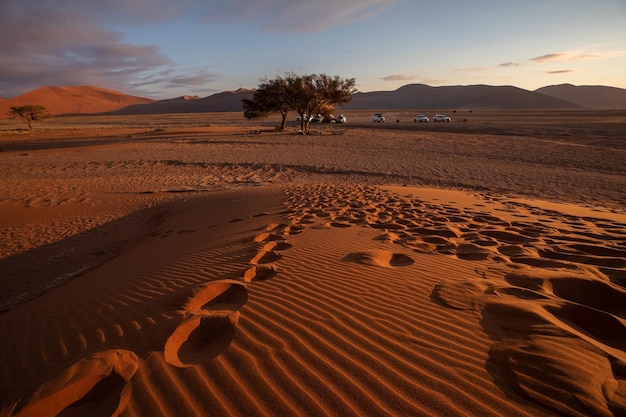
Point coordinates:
[[268, 98], [29, 113], [305, 94]]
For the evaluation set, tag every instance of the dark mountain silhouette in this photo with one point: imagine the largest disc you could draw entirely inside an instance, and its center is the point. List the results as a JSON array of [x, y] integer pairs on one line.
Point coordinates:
[[96, 100], [416, 96], [592, 96], [225, 101]]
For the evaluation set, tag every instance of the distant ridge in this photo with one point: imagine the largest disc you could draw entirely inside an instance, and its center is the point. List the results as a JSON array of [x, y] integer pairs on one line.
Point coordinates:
[[97, 100], [227, 101], [417, 96], [592, 96], [73, 100]]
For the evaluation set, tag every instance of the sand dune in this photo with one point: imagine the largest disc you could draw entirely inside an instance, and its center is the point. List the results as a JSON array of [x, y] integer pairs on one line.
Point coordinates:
[[153, 277], [73, 100]]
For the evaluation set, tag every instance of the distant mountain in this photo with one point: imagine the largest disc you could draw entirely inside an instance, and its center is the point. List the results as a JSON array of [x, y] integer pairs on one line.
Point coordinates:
[[420, 96], [96, 100], [592, 96], [225, 101], [73, 100]]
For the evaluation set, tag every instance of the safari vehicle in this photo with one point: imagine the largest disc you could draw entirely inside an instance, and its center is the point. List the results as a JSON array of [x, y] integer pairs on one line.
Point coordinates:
[[420, 118], [379, 118], [441, 118]]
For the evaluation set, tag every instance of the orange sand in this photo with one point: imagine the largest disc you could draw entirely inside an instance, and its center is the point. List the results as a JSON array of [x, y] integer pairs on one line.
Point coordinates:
[[225, 273]]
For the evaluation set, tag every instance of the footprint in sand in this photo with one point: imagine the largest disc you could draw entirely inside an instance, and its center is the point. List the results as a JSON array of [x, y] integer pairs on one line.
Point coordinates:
[[228, 295], [268, 237], [97, 385], [263, 263], [200, 338], [471, 251], [555, 332], [260, 272], [267, 254], [212, 313], [382, 258]]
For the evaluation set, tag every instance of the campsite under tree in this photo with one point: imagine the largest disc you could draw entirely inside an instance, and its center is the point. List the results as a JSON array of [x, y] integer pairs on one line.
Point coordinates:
[[305, 94]]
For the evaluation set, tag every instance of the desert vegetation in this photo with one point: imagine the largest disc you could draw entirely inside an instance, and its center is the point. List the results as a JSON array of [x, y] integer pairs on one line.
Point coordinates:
[[29, 113], [305, 94]]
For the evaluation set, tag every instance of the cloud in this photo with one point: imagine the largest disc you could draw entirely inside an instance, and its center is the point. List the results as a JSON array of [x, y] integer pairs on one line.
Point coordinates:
[[43, 43], [75, 42], [566, 71], [291, 16], [170, 78], [508, 64], [399, 77], [549, 58], [583, 54]]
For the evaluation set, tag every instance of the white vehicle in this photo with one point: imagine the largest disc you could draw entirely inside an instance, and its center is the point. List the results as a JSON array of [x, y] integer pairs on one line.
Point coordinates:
[[379, 118], [342, 119], [420, 118], [441, 118], [306, 117], [317, 119]]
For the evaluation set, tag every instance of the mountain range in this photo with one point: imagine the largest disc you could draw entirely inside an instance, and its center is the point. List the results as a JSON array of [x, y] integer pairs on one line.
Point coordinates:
[[96, 100]]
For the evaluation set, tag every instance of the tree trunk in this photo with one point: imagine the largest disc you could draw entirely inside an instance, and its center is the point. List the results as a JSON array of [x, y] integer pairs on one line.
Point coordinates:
[[283, 123]]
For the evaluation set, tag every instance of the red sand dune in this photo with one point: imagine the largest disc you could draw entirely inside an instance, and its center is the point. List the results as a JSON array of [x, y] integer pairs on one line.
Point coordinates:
[[73, 100]]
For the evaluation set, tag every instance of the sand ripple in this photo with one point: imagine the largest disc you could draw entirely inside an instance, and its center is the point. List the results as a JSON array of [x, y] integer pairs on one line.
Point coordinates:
[[345, 300], [565, 292]]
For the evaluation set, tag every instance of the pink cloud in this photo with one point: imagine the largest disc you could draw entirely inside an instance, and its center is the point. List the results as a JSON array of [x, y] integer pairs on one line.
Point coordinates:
[[48, 42], [566, 71], [576, 55], [399, 77]]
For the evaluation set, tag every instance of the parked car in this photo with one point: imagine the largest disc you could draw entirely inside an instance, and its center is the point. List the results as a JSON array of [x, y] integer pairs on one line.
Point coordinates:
[[306, 117], [441, 118], [317, 119], [420, 118], [329, 118], [342, 119], [379, 118]]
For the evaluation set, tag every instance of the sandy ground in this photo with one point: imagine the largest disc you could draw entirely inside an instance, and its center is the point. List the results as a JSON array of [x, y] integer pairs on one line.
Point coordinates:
[[231, 270]]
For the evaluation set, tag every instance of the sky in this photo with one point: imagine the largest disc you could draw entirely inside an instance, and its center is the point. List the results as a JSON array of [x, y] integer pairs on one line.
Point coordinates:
[[164, 49]]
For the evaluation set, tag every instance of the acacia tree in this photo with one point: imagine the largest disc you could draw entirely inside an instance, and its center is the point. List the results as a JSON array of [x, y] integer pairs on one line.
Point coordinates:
[[313, 93], [29, 113], [268, 98], [306, 94]]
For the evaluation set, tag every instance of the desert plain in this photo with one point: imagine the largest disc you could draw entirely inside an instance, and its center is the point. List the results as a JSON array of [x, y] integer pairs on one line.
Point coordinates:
[[206, 265]]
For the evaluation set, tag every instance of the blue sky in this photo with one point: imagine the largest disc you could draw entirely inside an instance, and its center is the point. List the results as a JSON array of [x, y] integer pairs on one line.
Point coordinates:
[[164, 49]]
